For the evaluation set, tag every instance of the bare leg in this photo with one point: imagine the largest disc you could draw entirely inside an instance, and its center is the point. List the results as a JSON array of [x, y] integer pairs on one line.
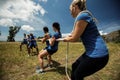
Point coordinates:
[[37, 50], [29, 50], [40, 57], [20, 47], [49, 59], [26, 46]]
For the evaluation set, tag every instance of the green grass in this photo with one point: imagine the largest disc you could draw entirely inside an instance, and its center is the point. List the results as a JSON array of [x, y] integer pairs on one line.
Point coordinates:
[[16, 65]]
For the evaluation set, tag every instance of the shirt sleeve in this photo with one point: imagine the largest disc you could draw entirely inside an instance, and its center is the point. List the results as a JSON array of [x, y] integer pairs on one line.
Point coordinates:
[[84, 16], [56, 35], [35, 37]]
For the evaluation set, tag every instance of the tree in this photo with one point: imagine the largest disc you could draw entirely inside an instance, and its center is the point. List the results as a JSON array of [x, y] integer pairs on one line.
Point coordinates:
[[13, 30]]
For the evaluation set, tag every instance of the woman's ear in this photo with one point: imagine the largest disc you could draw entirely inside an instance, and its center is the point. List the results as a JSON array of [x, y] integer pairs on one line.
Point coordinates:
[[73, 9]]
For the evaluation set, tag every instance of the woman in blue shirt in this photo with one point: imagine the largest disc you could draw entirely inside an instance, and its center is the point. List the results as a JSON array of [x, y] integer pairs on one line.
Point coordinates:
[[95, 56], [51, 48], [46, 38], [24, 42], [32, 43]]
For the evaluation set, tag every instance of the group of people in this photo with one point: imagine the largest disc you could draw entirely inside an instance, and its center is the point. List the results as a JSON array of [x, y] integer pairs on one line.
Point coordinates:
[[96, 53], [30, 42], [51, 44]]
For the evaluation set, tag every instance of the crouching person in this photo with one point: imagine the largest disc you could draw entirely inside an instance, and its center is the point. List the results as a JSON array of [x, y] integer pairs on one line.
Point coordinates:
[[51, 49]]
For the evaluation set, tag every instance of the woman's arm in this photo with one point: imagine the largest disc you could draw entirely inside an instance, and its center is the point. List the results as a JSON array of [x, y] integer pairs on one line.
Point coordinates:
[[52, 40], [79, 29], [46, 36]]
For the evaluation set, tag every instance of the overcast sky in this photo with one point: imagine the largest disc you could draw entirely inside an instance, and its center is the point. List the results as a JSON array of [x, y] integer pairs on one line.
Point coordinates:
[[33, 15]]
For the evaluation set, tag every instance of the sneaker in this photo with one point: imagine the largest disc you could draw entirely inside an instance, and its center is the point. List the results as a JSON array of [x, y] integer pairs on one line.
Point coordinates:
[[39, 71], [49, 65], [37, 67], [28, 55]]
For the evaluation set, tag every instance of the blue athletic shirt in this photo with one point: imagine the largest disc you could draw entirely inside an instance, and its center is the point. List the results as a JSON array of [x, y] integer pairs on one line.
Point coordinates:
[[28, 39], [25, 40], [94, 44], [55, 46], [47, 41], [33, 37]]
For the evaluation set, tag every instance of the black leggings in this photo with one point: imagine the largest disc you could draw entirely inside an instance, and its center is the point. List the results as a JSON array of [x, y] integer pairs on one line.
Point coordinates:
[[85, 66]]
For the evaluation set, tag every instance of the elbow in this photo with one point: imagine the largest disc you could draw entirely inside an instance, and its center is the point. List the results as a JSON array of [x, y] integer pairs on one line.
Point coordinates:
[[73, 39]]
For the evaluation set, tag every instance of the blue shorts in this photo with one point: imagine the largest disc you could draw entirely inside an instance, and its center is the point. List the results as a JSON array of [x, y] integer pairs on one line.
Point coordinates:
[[32, 45], [50, 51]]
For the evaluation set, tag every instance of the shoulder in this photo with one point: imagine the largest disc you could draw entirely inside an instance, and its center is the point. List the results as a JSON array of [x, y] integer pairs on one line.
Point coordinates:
[[84, 16], [48, 34], [34, 37], [56, 34]]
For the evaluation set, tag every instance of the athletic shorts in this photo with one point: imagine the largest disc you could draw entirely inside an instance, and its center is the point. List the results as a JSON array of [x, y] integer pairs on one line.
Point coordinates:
[[24, 42], [50, 51], [32, 45]]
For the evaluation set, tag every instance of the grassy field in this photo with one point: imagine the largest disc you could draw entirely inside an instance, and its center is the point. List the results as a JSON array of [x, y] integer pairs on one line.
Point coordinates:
[[16, 65]]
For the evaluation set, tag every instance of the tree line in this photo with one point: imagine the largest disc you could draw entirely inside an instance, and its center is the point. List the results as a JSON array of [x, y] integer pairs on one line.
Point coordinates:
[[112, 37]]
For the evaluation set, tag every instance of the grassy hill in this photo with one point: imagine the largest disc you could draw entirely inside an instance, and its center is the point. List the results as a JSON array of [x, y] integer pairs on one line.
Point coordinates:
[[113, 36], [16, 65]]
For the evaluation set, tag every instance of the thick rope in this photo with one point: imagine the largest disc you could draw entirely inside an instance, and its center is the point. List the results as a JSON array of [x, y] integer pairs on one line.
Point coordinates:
[[67, 51], [66, 71]]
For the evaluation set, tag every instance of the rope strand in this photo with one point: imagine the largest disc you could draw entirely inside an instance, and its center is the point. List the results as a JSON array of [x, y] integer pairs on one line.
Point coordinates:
[[67, 61]]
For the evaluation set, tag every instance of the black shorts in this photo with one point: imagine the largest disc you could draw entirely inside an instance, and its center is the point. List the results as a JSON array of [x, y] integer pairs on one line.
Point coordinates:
[[24, 42], [85, 66], [50, 51]]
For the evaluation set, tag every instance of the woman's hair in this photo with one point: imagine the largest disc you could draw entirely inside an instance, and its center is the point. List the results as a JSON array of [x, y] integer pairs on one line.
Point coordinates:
[[45, 29], [28, 36], [31, 34], [56, 25], [81, 4], [24, 34]]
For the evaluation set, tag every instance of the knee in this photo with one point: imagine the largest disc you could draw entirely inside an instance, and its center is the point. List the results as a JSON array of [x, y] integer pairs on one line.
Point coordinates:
[[49, 56], [40, 55], [76, 72], [28, 47], [74, 66], [77, 76]]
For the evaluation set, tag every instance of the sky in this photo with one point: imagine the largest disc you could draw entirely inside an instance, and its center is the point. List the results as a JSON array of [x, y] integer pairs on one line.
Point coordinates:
[[33, 15]]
